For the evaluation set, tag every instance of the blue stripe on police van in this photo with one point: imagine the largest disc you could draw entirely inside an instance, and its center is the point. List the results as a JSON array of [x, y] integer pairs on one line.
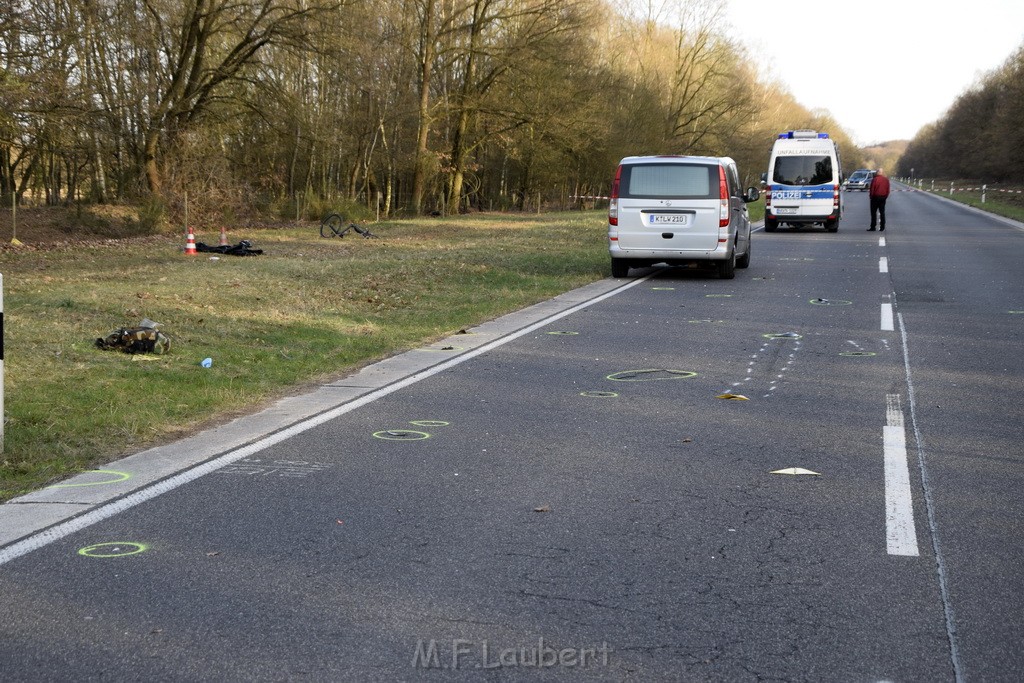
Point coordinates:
[[783, 192]]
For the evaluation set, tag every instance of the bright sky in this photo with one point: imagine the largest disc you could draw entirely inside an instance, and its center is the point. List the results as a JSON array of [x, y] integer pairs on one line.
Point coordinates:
[[895, 65]]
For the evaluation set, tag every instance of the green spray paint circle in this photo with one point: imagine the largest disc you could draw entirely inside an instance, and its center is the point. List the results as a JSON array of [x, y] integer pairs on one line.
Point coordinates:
[[429, 423], [401, 435], [1016, 312], [782, 335], [107, 550], [117, 478], [649, 375], [858, 354], [830, 302], [599, 394], [563, 332]]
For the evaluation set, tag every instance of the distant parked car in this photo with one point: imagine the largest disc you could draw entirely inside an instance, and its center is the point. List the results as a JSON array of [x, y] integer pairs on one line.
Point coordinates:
[[860, 180]]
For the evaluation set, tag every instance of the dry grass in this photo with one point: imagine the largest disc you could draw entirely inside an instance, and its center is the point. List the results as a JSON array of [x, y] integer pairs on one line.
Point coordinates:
[[307, 309]]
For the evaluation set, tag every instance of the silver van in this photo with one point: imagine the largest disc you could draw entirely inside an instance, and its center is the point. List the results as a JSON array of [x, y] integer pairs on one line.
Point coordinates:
[[679, 210]]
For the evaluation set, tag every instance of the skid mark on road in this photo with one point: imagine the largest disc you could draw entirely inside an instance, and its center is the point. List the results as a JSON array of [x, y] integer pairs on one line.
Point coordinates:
[[778, 348]]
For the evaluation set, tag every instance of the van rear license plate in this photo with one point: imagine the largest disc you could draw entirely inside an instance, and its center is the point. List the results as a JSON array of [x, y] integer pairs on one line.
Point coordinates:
[[670, 219], [785, 210]]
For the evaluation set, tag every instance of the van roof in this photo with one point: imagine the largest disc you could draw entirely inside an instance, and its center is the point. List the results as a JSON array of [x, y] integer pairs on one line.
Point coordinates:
[[680, 158]]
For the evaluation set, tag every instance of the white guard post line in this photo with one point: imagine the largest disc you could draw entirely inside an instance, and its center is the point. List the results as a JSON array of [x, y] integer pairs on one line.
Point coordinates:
[[1018, 225], [900, 534]]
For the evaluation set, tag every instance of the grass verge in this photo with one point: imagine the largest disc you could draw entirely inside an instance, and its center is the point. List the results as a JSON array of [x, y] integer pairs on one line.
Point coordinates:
[[308, 309]]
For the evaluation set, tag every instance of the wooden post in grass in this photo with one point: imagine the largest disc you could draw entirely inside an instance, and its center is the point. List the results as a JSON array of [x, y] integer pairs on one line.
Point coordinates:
[[14, 218]]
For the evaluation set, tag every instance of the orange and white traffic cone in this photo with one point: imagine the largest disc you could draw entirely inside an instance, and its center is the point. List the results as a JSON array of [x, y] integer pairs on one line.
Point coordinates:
[[223, 236], [190, 243]]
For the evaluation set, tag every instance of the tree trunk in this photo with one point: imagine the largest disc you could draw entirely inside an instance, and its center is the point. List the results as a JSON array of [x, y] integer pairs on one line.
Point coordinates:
[[149, 162], [460, 150], [419, 181]]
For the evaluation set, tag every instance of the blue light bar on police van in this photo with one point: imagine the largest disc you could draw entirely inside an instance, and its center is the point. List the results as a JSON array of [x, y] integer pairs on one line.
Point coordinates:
[[802, 135]]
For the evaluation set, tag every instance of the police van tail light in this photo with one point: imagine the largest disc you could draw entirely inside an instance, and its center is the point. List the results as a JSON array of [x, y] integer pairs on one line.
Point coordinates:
[[613, 203], [768, 196], [723, 198], [835, 197]]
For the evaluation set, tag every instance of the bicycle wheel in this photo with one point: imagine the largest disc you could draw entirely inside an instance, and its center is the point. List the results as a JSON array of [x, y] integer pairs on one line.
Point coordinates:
[[333, 225]]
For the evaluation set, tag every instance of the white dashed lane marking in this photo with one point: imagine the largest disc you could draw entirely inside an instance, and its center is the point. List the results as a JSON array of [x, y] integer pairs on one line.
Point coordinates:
[[900, 534]]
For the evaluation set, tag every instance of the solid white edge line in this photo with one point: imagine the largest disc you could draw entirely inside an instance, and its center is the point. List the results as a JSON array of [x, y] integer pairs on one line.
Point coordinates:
[[63, 529], [887, 318], [929, 506]]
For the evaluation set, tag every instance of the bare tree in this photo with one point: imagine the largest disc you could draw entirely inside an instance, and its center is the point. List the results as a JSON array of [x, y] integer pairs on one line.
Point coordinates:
[[198, 46]]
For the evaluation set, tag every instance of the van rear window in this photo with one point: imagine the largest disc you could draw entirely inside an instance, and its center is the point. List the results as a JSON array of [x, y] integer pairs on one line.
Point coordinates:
[[690, 181], [803, 170]]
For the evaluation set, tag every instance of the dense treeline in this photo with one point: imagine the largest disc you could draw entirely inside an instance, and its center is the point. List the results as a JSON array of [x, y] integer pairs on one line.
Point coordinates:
[[412, 106], [980, 137]]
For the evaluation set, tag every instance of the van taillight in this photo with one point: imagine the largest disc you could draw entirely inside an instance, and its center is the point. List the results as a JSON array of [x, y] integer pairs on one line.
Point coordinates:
[[613, 203], [768, 196], [723, 198], [835, 196]]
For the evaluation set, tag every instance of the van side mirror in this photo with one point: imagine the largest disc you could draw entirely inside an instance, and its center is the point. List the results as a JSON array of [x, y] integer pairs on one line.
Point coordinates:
[[752, 195]]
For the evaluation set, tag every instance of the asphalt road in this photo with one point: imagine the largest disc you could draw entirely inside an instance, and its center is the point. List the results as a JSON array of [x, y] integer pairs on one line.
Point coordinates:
[[574, 500]]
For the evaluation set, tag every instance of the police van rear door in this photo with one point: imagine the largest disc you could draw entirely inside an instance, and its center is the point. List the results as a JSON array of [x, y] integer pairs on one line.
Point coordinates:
[[803, 184], [668, 206]]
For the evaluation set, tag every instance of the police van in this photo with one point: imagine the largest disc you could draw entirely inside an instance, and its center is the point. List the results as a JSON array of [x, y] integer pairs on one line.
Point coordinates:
[[803, 181]]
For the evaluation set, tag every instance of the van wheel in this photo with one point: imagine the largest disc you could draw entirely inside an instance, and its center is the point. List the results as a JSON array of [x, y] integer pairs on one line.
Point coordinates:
[[727, 268], [770, 224], [744, 261], [832, 226], [620, 267]]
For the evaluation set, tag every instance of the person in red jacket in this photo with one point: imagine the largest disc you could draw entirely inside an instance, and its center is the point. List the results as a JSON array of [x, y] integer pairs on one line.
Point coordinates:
[[878, 193]]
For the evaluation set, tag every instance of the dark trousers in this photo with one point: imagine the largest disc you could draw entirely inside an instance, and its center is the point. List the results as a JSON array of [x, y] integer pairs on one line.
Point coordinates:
[[878, 207]]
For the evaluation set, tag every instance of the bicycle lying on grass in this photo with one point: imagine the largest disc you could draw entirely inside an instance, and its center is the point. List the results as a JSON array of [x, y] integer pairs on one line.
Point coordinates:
[[337, 225]]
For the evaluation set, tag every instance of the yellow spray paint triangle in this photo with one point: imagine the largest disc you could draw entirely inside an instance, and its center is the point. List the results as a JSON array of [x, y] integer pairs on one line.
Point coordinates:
[[796, 470], [15, 241]]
